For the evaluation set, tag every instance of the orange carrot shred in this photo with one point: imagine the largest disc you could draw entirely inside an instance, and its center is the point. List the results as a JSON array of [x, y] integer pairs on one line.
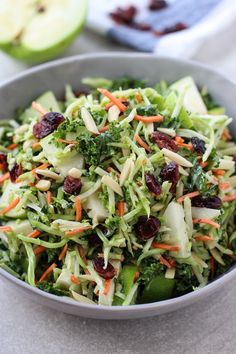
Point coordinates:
[[74, 280], [4, 177], [142, 143], [104, 129], [224, 185], [12, 146], [5, 228], [47, 272], [35, 145], [63, 252], [37, 107], [189, 195], [150, 119], [218, 172], [229, 198], [203, 238], [110, 104], [113, 99], [38, 250], [78, 230], [204, 164], [110, 169], [41, 167], [12, 205], [121, 208], [165, 246], [107, 285], [78, 209], [34, 233], [49, 197], [172, 262], [207, 221], [165, 262], [138, 98]]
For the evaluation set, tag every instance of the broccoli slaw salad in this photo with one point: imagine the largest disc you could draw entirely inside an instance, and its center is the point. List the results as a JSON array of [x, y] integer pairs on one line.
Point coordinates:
[[123, 194]]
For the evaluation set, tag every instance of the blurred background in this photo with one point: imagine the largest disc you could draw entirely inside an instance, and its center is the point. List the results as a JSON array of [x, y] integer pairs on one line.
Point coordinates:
[[36, 31]]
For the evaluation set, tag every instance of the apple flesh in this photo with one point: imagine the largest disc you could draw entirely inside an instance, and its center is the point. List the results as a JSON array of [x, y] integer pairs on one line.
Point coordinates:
[[35, 31]]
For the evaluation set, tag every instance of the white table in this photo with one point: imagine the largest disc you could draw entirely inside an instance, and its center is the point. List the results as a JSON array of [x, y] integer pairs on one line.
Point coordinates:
[[28, 328]]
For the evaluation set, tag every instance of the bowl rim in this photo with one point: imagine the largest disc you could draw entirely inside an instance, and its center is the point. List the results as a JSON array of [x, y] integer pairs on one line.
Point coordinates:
[[173, 302]]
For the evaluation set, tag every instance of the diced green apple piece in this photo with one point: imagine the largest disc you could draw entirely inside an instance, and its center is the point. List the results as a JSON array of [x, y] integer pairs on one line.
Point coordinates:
[[36, 31]]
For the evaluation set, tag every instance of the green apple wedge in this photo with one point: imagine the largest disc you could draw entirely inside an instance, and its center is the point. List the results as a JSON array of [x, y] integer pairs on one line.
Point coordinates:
[[36, 31]]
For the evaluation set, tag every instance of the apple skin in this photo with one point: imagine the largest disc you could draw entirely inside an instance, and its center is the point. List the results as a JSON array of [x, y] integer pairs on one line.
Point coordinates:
[[22, 53]]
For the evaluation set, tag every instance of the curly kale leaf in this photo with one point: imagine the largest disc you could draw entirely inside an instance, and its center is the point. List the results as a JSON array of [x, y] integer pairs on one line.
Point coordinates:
[[186, 280], [50, 288], [149, 269], [127, 83]]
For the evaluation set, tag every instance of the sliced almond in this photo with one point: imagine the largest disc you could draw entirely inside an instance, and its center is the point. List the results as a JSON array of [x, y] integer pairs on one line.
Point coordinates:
[[75, 173], [113, 113], [43, 185], [109, 182], [88, 121], [176, 158]]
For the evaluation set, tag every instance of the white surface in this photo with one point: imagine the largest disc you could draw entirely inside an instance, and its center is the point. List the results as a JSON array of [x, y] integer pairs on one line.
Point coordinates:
[[207, 327]]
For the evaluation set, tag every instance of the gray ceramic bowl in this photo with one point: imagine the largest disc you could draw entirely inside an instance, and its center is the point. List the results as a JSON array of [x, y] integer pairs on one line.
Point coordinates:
[[20, 91]]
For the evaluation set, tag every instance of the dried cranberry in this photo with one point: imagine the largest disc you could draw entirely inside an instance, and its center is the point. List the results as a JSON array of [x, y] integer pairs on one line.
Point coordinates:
[[198, 145], [207, 202], [94, 240], [108, 273], [164, 141], [72, 185], [175, 28], [15, 172], [79, 93], [49, 122], [103, 229], [152, 184], [3, 161], [147, 227], [155, 5], [124, 15], [170, 173]]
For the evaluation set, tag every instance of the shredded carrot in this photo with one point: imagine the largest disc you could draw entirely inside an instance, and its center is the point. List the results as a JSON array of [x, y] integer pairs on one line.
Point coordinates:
[[110, 104], [142, 143], [180, 142], [69, 142], [74, 280], [203, 164], [78, 209], [136, 276], [63, 252], [150, 119], [107, 285], [206, 221], [218, 172], [113, 99], [229, 198], [34, 233], [47, 272], [104, 129], [226, 135], [12, 205], [78, 230], [5, 228], [41, 167], [110, 169], [12, 146], [121, 208], [35, 145], [138, 98], [38, 250], [165, 262], [49, 197], [37, 107], [30, 184], [203, 238], [165, 246], [224, 185], [172, 262], [212, 266], [2, 166], [82, 253], [189, 195], [4, 177]]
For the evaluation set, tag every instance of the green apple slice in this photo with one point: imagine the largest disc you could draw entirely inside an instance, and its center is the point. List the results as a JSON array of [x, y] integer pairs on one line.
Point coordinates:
[[33, 30]]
